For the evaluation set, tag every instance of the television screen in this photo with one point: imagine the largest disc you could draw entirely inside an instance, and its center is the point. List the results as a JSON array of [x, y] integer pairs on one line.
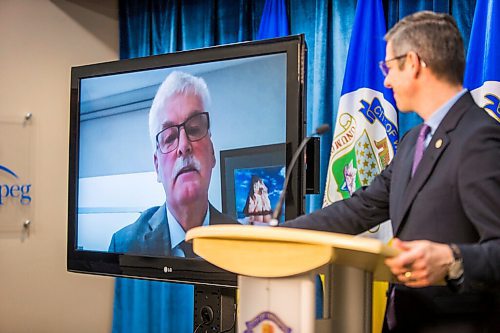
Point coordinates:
[[161, 144]]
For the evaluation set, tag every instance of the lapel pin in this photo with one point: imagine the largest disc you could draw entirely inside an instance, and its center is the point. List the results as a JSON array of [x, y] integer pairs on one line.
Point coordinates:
[[439, 143]]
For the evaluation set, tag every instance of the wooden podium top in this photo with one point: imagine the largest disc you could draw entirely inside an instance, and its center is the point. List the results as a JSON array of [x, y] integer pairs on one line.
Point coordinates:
[[278, 252]]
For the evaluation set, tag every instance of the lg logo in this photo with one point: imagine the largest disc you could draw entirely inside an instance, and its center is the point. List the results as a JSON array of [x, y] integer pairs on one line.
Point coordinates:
[[14, 191]]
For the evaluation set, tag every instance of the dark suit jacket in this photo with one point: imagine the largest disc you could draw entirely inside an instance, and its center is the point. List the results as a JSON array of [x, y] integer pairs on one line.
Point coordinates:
[[454, 197], [150, 235]]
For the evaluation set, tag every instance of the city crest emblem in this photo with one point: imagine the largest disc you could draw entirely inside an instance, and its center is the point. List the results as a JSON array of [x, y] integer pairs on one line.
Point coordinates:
[[266, 322], [365, 140]]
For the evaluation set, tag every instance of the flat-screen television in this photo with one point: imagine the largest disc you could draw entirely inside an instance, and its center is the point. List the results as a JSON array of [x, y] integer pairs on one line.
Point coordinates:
[[161, 144]]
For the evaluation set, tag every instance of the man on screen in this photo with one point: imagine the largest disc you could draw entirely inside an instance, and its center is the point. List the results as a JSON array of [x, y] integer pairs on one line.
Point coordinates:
[[441, 191], [179, 128]]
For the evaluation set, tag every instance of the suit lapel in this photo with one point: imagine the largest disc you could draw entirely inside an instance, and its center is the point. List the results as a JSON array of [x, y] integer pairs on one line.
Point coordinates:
[[398, 191], [157, 240], [424, 170], [440, 141], [217, 217]]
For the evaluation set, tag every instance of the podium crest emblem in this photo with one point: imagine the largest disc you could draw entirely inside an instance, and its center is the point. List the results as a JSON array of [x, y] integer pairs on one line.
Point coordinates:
[[266, 322]]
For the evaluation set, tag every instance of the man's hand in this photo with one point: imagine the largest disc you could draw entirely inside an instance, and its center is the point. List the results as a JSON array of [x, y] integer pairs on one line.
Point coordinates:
[[421, 263]]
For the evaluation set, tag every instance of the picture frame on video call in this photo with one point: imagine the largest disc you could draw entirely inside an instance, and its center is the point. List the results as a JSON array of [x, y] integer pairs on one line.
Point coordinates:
[[242, 168]]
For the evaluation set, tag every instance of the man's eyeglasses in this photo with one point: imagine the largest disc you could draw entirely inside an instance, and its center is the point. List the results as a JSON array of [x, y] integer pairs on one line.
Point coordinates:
[[383, 64], [196, 128]]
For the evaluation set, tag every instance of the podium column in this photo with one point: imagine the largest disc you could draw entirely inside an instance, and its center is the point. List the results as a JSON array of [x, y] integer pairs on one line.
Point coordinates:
[[351, 299], [287, 302]]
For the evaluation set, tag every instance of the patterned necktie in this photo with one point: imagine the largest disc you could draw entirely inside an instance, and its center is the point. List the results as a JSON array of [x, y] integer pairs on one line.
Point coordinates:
[[187, 248], [420, 147]]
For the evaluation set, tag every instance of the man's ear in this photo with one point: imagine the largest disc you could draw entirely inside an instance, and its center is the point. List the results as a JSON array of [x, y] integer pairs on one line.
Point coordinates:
[[155, 160], [413, 61]]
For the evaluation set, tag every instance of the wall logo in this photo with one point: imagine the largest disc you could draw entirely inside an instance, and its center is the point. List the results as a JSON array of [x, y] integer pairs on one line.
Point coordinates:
[[13, 190], [266, 322]]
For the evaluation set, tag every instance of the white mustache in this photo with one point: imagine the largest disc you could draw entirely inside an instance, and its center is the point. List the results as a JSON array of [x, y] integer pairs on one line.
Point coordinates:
[[182, 163]]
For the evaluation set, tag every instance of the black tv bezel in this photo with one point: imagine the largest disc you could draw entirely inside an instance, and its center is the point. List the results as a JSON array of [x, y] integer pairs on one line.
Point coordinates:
[[173, 269]]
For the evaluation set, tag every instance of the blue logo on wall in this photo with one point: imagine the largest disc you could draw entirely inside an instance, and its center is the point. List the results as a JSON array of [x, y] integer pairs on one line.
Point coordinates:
[[14, 191]]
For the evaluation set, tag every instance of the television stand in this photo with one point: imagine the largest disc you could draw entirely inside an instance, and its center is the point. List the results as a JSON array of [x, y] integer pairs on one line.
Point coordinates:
[[214, 309]]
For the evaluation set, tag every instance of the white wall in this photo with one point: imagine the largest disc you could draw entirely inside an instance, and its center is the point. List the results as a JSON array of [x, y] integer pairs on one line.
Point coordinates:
[[39, 41]]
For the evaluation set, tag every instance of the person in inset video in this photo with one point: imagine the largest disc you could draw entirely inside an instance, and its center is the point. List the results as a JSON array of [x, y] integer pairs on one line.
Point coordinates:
[[257, 207], [179, 128]]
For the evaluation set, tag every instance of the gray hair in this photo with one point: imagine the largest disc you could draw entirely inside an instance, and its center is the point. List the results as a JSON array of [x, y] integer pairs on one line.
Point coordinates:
[[436, 40], [175, 83]]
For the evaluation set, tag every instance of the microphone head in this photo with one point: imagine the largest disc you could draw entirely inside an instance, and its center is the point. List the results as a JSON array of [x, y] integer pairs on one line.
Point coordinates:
[[322, 129]]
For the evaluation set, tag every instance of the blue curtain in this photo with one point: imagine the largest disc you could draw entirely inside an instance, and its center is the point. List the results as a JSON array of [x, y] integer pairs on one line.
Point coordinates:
[[149, 27]]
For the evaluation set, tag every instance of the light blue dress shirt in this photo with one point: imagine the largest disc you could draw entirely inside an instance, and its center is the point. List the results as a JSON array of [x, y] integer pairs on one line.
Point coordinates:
[[439, 115], [177, 234]]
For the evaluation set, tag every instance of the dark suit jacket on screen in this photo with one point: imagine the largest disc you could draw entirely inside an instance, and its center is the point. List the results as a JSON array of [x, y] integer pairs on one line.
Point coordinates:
[[150, 235], [454, 197]]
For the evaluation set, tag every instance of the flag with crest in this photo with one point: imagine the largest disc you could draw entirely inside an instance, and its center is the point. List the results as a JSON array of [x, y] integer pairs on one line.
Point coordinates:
[[366, 133]]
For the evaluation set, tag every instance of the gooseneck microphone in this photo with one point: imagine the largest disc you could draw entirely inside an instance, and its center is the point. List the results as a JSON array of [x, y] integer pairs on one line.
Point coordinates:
[[277, 210]]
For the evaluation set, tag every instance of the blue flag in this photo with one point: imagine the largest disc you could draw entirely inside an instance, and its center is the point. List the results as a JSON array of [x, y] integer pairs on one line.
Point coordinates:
[[274, 22], [482, 72], [366, 133]]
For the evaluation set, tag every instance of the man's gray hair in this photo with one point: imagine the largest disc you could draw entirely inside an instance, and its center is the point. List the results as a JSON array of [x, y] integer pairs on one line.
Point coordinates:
[[175, 83], [436, 40]]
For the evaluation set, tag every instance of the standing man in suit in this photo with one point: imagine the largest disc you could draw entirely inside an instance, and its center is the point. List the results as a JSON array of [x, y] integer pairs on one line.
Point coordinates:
[[441, 191], [179, 128]]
